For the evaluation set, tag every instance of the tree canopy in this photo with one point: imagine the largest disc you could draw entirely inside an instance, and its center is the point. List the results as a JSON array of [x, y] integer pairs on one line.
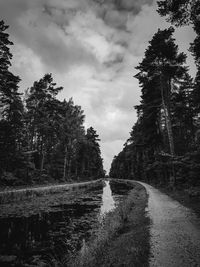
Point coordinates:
[[162, 147], [41, 137]]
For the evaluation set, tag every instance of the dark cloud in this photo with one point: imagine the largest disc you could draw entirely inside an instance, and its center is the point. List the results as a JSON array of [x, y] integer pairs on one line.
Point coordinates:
[[122, 43], [115, 13], [60, 15], [116, 18], [40, 27], [127, 5], [40, 24], [117, 60], [134, 6], [61, 56]]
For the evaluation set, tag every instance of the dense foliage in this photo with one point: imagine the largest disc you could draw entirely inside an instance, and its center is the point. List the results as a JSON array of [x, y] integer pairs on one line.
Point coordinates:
[[42, 139], [164, 143]]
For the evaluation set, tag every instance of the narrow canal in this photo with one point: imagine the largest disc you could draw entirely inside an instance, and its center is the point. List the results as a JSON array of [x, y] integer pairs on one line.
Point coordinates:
[[50, 227]]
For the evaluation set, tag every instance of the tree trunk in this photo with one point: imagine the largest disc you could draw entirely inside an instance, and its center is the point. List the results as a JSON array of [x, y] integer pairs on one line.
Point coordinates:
[[82, 167], [167, 118], [42, 154], [165, 104], [42, 162], [76, 170], [65, 164], [69, 169]]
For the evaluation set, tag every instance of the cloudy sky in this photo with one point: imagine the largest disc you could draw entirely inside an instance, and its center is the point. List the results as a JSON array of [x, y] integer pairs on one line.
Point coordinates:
[[91, 47]]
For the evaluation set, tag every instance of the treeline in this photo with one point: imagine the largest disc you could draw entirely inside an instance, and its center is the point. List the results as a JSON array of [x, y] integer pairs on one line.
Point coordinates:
[[164, 144], [42, 139]]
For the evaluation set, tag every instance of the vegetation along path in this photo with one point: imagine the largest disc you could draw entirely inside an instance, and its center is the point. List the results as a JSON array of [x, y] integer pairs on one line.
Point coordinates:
[[175, 232], [23, 193]]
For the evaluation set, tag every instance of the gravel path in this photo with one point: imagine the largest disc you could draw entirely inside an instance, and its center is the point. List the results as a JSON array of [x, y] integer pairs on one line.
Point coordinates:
[[175, 232]]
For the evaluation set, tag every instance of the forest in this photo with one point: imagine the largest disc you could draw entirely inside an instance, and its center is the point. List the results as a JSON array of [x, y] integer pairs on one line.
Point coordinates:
[[164, 143], [42, 139], [59, 207]]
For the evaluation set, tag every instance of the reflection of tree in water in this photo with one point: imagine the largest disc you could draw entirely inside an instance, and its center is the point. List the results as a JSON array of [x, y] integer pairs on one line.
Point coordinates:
[[57, 232], [60, 231], [23, 233], [120, 187]]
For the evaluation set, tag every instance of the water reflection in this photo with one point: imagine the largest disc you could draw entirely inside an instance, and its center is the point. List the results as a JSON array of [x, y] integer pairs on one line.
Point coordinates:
[[59, 232], [62, 229], [108, 202]]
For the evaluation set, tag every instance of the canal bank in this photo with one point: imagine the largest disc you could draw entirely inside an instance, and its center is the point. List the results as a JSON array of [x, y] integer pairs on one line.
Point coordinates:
[[51, 228], [19, 194], [123, 238]]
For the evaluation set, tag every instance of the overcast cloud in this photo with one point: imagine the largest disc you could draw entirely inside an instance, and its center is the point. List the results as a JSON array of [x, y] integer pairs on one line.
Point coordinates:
[[91, 47]]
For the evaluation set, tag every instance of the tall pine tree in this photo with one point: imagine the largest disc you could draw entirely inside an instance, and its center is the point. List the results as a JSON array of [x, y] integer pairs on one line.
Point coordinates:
[[11, 107]]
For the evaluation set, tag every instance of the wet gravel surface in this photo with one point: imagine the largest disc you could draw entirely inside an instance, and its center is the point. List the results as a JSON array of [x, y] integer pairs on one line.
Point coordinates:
[[175, 232]]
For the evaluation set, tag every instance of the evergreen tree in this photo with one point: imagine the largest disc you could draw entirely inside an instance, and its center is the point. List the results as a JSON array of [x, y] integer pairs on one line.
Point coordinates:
[[40, 115], [71, 130], [93, 154], [186, 12], [46, 138], [11, 107], [162, 65], [164, 131]]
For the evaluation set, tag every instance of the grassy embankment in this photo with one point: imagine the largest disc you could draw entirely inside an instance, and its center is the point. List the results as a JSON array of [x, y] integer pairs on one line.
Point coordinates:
[[123, 238], [187, 196], [7, 196]]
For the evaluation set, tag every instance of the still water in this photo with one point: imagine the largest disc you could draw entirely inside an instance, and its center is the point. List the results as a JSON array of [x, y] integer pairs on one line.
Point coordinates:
[[29, 238], [108, 202]]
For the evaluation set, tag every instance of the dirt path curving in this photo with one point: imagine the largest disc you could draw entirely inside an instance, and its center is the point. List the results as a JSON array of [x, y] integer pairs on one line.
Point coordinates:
[[175, 232]]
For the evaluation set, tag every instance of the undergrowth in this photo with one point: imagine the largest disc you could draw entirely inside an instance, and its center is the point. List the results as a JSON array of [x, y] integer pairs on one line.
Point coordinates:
[[123, 237], [31, 193]]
